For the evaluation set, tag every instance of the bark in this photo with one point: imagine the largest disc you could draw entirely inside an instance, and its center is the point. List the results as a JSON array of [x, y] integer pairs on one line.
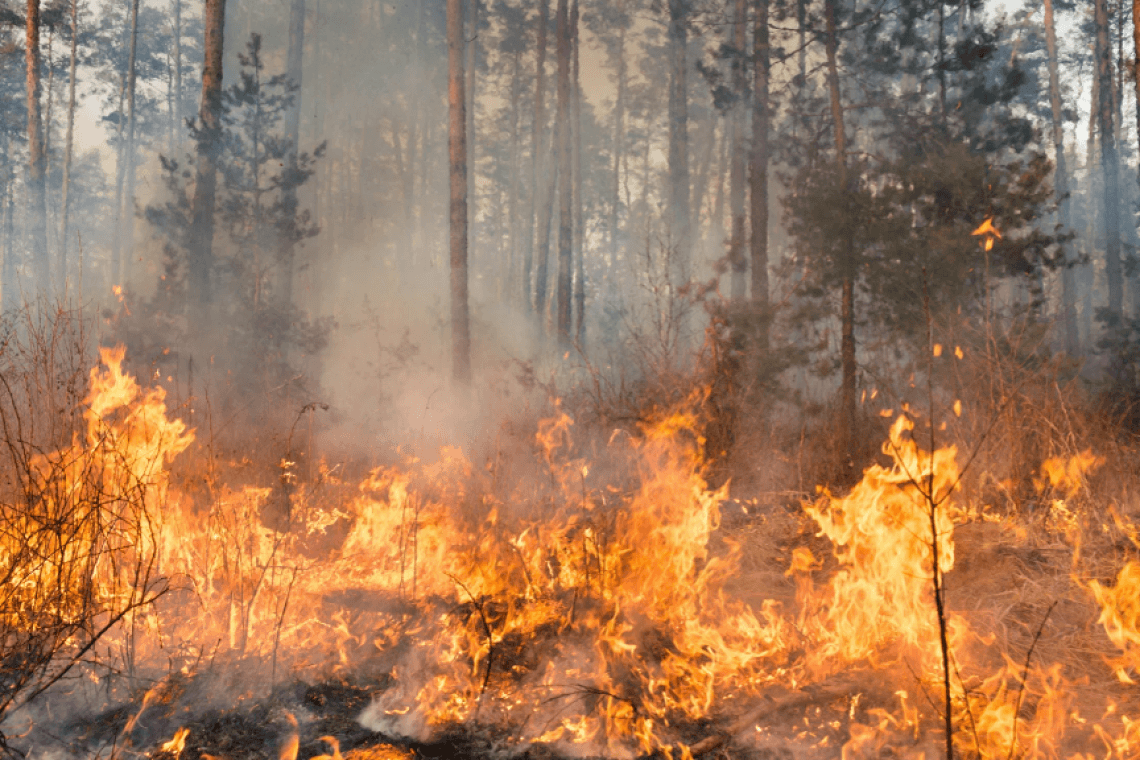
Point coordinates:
[[457, 156], [536, 164], [37, 158], [1108, 159], [565, 197], [576, 163], [847, 253], [736, 258], [1061, 184], [201, 259], [68, 147], [679, 141], [294, 70], [758, 177]]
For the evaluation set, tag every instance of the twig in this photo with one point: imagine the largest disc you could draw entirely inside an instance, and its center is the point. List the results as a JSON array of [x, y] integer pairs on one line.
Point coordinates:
[[1025, 675], [487, 629]]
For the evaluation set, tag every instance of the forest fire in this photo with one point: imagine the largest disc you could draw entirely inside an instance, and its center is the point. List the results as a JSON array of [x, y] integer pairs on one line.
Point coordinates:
[[596, 608]]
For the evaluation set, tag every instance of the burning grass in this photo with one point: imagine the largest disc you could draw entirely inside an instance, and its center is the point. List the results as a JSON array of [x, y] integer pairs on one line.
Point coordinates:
[[589, 595]]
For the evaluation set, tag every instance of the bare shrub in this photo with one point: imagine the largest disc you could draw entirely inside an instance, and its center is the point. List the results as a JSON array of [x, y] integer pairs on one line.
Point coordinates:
[[77, 492]]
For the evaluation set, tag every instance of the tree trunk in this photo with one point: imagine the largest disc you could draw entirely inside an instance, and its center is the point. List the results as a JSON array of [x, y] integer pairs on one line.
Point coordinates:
[[565, 197], [737, 120], [49, 115], [177, 74], [1086, 272], [294, 70], [9, 287], [679, 214], [1108, 162], [129, 198], [457, 156], [847, 315], [201, 259], [536, 164], [942, 65], [758, 176], [472, 50], [618, 147], [545, 216], [1136, 60], [37, 159], [1061, 184], [68, 147], [515, 178], [576, 162]]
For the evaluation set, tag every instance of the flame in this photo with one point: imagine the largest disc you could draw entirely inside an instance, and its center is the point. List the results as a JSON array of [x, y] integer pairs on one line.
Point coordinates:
[[178, 743], [1067, 474], [1120, 616], [990, 233], [882, 536], [588, 603]]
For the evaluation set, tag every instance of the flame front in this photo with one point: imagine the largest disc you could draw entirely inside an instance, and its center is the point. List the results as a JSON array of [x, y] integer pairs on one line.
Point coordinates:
[[587, 604]]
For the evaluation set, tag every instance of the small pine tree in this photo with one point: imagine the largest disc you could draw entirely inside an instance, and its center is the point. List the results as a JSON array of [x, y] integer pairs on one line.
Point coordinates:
[[262, 328]]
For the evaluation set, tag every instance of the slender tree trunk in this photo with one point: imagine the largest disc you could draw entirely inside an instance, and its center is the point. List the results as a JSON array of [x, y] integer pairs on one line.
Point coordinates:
[[536, 165], [679, 214], [565, 185], [758, 177], [847, 315], [724, 168], [515, 178], [1086, 272], [9, 287], [1108, 162], [37, 158], [177, 75], [1061, 183], [942, 64], [49, 109], [129, 198], [68, 147], [545, 219], [1136, 60], [472, 51], [706, 150], [294, 70], [576, 164], [737, 120], [618, 147], [201, 257], [1118, 90], [417, 151], [457, 156]]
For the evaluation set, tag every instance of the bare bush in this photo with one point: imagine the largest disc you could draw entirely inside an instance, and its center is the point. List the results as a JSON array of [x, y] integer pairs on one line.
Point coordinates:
[[78, 486]]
